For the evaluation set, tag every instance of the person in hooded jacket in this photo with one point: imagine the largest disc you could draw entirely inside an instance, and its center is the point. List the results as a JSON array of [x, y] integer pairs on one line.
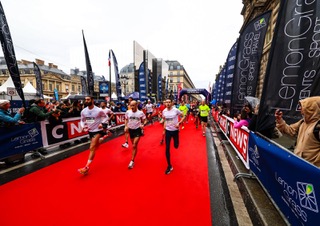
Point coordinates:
[[306, 130]]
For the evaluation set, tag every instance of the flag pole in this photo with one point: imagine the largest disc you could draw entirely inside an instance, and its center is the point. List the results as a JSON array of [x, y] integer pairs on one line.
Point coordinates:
[[109, 63]]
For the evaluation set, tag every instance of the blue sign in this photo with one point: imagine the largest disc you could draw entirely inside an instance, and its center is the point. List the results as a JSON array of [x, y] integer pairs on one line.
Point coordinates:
[[292, 182], [142, 83], [104, 88], [19, 139]]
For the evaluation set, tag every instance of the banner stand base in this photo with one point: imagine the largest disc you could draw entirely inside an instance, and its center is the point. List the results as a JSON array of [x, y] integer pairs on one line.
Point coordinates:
[[246, 175]]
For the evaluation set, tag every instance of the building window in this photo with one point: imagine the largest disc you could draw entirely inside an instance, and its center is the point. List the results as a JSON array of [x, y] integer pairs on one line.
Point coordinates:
[[178, 79], [58, 87], [50, 87], [79, 89], [171, 73], [72, 87], [178, 67]]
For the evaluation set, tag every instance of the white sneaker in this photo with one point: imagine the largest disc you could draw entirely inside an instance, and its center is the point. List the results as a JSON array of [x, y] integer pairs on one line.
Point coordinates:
[[125, 145], [131, 164]]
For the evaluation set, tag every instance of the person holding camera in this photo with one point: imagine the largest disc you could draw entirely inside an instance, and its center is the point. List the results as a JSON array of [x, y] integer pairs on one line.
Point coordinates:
[[306, 130]]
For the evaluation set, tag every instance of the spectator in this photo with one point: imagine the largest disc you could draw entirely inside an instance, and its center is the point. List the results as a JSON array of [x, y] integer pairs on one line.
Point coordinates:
[[5, 117], [37, 111], [55, 118], [243, 119], [306, 130], [253, 123], [75, 109]]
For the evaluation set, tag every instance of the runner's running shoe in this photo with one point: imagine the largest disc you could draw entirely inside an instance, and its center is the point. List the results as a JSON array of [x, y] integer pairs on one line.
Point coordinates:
[[125, 145], [84, 170], [131, 164], [168, 170]]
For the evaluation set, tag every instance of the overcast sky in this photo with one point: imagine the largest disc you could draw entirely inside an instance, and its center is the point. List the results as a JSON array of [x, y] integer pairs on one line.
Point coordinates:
[[197, 33]]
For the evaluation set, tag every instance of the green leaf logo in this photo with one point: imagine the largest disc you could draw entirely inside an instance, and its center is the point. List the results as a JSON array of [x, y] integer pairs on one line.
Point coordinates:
[[309, 189], [261, 21]]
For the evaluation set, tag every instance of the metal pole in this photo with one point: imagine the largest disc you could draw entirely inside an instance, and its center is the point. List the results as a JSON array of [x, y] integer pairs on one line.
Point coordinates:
[[110, 75]]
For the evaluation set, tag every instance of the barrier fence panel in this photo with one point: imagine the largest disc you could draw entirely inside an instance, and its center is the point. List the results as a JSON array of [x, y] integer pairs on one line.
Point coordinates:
[[28, 137], [238, 138], [291, 182], [19, 139]]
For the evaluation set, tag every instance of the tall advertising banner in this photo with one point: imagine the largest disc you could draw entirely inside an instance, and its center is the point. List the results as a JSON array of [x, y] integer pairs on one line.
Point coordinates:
[[84, 85], [9, 54], [90, 80], [219, 87], [294, 62], [160, 87], [230, 65], [249, 52], [37, 73], [56, 94], [223, 82], [142, 83], [116, 72], [291, 182]]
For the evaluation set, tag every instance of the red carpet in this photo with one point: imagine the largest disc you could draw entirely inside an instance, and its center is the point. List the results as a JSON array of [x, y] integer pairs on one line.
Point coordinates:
[[113, 195]]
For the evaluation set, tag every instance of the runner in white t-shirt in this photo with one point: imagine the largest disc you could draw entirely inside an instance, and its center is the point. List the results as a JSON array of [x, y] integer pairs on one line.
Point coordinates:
[[91, 120], [134, 121], [149, 111], [171, 124], [109, 115]]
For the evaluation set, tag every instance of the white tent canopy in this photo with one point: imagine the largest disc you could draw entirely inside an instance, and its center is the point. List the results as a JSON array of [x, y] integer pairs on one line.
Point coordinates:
[[8, 83], [114, 96], [28, 90]]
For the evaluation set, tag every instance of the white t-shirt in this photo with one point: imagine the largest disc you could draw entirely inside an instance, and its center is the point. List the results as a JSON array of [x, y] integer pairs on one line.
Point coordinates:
[[149, 108], [134, 118], [107, 111], [171, 118], [92, 118]]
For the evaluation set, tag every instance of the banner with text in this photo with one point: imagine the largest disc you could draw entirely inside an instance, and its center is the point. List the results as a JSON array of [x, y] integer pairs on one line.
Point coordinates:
[[291, 182], [90, 79], [116, 73], [9, 54], [19, 139], [249, 52], [37, 73], [142, 83], [293, 71], [230, 65]]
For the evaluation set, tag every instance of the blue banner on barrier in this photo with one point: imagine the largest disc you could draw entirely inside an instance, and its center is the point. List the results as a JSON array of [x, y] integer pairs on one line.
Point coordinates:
[[291, 182], [19, 139]]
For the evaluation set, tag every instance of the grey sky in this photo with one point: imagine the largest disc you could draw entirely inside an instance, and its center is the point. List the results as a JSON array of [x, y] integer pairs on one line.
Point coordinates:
[[197, 33]]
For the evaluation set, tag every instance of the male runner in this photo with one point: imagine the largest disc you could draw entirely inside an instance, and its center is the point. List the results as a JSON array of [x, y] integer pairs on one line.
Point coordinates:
[[171, 124], [149, 111], [126, 131], [134, 121], [91, 120], [204, 113], [184, 109]]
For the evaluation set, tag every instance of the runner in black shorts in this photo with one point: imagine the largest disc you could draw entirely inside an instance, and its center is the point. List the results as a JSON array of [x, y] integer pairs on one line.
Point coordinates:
[[135, 133], [134, 121]]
